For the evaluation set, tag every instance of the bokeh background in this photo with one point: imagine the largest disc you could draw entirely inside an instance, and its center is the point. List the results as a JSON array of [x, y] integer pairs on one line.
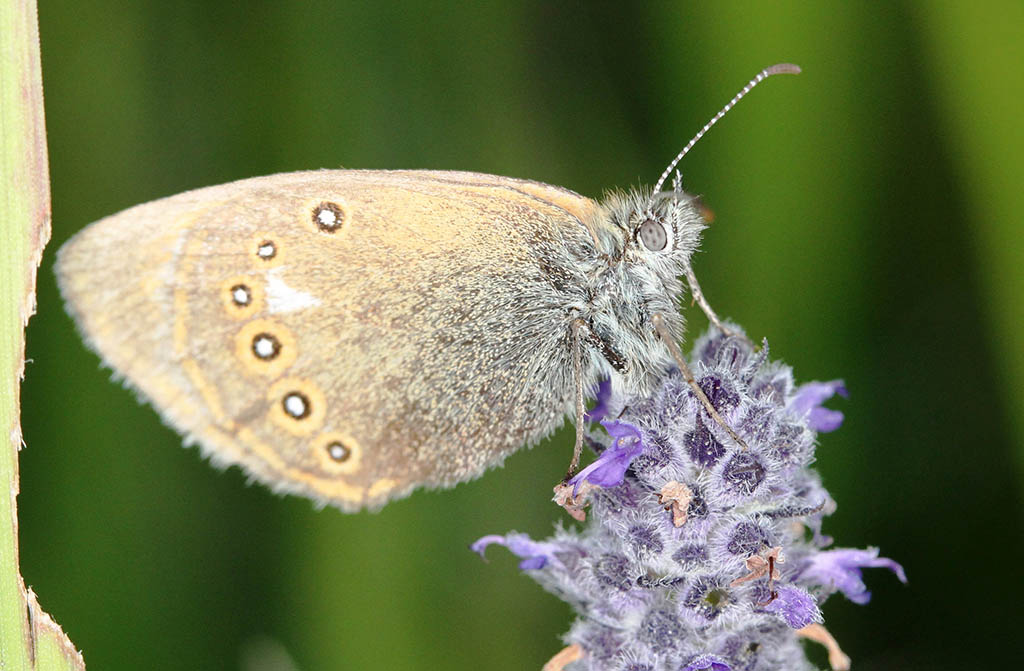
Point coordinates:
[[868, 223]]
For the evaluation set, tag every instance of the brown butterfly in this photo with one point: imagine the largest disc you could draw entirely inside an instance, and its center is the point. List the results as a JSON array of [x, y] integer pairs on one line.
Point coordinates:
[[350, 335]]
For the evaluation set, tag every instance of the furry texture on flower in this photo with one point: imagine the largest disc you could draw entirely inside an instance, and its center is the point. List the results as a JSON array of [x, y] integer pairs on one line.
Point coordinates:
[[728, 589]]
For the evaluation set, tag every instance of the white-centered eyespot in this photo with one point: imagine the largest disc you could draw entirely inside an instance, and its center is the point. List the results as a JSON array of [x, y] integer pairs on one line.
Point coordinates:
[[265, 346], [296, 405], [328, 217], [266, 250], [337, 453], [241, 295]]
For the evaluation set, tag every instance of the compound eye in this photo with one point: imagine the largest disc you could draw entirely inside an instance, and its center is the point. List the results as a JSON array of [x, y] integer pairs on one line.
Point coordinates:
[[653, 234]]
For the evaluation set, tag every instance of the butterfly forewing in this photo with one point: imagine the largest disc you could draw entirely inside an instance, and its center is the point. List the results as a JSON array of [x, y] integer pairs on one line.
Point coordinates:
[[347, 335]]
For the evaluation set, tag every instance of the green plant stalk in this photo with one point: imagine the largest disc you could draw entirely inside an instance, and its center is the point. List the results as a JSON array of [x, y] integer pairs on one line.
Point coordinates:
[[29, 638]]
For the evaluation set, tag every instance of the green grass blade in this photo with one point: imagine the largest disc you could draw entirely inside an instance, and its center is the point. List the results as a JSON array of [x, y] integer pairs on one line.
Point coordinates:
[[29, 639]]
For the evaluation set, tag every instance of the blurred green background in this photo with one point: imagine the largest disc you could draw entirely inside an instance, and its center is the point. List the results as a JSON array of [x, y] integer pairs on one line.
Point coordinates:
[[867, 223]]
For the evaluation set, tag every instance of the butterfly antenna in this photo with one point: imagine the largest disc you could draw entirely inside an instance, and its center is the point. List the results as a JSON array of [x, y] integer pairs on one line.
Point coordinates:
[[781, 68]]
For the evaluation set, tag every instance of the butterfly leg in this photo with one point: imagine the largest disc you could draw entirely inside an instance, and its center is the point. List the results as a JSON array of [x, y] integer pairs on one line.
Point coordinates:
[[677, 354], [579, 330], [698, 296]]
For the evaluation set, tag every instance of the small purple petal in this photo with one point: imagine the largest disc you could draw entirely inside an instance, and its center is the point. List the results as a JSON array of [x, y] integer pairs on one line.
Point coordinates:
[[480, 546], [600, 409], [533, 563], [610, 467], [824, 419], [618, 429], [815, 393], [710, 662], [536, 554], [797, 607], [808, 402], [841, 569]]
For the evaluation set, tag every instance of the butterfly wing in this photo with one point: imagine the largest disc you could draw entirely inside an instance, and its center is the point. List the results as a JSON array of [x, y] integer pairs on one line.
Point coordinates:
[[346, 335]]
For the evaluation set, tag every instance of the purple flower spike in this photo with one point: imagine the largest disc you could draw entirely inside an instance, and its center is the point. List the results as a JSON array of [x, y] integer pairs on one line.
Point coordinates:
[[709, 662], [690, 557], [610, 467], [600, 410], [840, 569], [536, 555], [808, 402], [797, 607]]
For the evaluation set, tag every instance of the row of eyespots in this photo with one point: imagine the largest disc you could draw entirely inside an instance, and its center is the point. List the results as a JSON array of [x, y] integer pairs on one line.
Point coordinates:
[[298, 405], [268, 348], [300, 408], [326, 216], [241, 297]]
